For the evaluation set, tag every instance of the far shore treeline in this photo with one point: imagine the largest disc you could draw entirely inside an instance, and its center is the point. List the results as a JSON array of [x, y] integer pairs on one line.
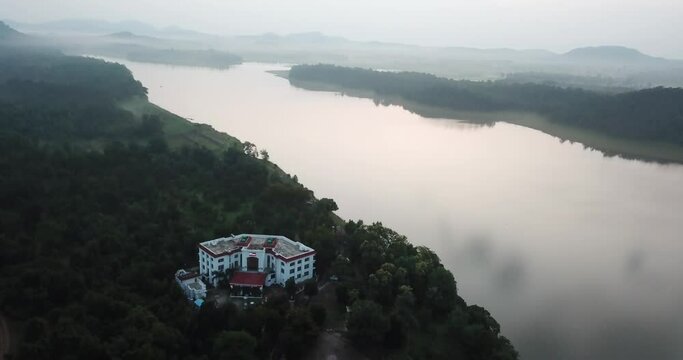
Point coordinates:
[[652, 115]]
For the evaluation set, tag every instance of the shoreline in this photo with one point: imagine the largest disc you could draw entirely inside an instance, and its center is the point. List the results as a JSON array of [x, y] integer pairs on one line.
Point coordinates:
[[609, 146]]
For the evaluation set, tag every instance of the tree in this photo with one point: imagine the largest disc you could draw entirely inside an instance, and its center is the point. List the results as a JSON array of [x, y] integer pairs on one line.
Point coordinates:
[[150, 126], [311, 287], [384, 283], [221, 277], [441, 292], [264, 155], [342, 293], [290, 287], [35, 329], [319, 314], [372, 254], [327, 205], [341, 267], [322, 239], [381, 287], [404, 308], [367, 323], [299, 333], [234, 345], [250, 149], [354, 294]]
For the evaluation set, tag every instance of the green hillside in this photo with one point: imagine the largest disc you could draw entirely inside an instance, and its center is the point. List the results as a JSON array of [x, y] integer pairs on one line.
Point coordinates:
[[103, 196]]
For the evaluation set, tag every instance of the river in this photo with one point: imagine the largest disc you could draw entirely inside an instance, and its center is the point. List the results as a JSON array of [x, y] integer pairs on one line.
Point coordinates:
[[577, 255]]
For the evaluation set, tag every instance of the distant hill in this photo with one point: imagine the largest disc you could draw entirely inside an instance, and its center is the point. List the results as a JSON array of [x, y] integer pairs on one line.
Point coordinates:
[[132, 29], [610, 53], [6, 32], [123, 35], [315, 36], [102, 27], [311, 38], [86, 26], [125, 45], [9, 37], [610, 68], [129, 36]]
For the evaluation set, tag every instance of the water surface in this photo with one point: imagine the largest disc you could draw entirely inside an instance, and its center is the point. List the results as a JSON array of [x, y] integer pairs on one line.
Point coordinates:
[[578, 256]]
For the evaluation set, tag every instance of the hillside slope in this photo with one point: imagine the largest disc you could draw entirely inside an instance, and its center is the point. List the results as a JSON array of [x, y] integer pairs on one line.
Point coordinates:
[[103, 196]]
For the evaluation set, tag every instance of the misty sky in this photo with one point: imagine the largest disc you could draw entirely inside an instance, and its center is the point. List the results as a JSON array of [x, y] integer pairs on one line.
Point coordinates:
[[653, 26]]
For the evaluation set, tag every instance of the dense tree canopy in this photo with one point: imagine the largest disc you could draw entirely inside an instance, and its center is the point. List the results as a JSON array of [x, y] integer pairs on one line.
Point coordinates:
[[91, 237], [409, 305]]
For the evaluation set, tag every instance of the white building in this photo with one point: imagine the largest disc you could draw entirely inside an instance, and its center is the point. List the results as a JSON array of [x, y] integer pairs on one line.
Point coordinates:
[[257, 260], [191, 284]]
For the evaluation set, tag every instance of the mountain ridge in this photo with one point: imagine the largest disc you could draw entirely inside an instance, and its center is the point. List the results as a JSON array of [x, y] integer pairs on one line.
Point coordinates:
[[7, 32], [611, 53], [141, 28]]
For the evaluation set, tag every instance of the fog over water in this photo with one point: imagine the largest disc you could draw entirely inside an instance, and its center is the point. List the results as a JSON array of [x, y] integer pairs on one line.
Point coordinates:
[[578, 256]]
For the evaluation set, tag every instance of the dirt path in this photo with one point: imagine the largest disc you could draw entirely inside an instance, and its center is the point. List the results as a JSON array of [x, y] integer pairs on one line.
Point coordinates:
[[332, 346], [4, 337]]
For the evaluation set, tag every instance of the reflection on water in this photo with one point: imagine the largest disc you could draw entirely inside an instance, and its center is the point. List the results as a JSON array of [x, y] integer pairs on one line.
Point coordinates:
[[577, 255]]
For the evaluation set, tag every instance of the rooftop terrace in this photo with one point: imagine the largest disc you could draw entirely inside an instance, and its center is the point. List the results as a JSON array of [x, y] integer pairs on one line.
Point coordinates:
[[279, 245]]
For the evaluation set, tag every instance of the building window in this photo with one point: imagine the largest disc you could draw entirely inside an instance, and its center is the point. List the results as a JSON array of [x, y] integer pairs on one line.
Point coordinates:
[[282, 270], [299, 262], [305, 273], [298, 276], [307, 259], [298, 269], [306, 266], [220, 260], [291, 271], [220, 268]]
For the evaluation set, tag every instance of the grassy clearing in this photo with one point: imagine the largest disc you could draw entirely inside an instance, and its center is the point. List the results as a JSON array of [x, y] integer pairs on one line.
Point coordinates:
[[180, 131]]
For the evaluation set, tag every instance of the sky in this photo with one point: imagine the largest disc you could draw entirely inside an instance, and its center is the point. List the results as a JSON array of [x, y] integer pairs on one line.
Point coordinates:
[[652, 26]]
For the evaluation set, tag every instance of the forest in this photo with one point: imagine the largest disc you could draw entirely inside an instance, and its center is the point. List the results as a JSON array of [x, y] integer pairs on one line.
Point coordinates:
[[91, 237], [654, 114]]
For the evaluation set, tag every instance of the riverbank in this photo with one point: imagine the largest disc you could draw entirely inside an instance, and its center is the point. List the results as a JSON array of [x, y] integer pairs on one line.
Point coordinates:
[[502, 206], [179, 131], [652, 151]]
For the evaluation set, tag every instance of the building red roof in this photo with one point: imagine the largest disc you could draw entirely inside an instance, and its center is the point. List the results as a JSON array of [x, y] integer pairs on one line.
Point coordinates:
[[248, 279]]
